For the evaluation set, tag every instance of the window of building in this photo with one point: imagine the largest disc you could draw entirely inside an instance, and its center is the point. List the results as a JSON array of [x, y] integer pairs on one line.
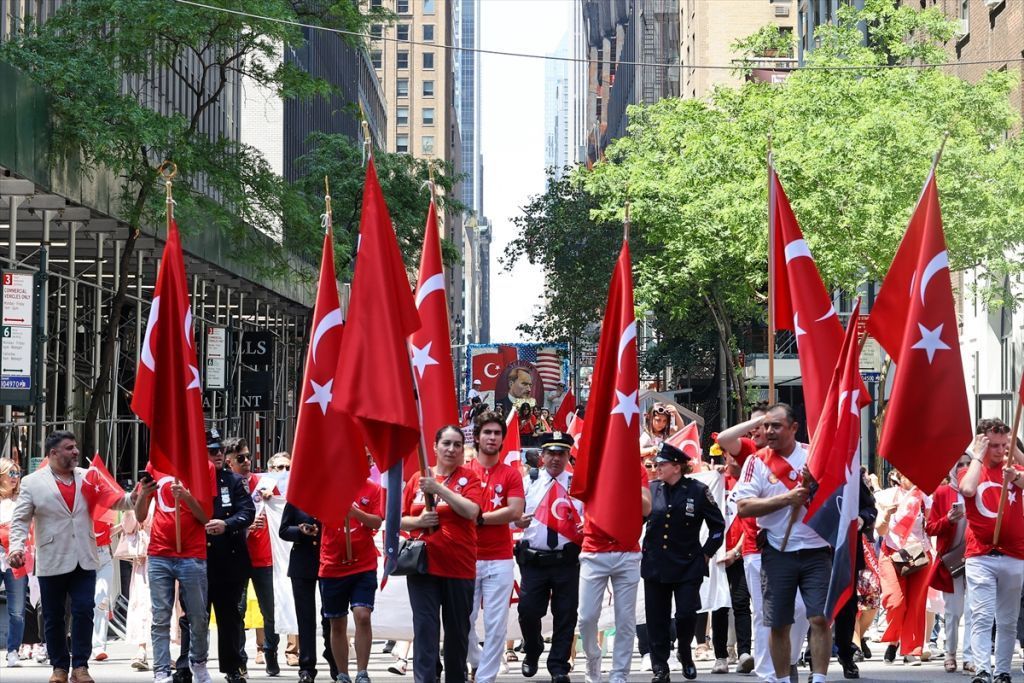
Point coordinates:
[[428, 60], [427, 144], [428, 116], [402, 59], [402, 87], [376, 31], [402, 32], [376, 3], [377, 59], [428, 33], [428, 6], [428, 88], [965, 17], [402, 143], [402, 116], [402, 6]]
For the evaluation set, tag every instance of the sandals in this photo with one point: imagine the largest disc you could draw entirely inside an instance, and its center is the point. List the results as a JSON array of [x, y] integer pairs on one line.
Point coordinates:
[[511, 656], [399, 666], [950, 665]]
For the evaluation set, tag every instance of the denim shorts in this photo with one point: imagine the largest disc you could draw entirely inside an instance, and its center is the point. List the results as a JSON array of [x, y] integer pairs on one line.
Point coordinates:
[[339, 595], [782, 574]]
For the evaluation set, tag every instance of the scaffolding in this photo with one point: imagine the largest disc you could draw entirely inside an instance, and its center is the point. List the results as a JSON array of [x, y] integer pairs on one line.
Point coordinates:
[[76, 252]]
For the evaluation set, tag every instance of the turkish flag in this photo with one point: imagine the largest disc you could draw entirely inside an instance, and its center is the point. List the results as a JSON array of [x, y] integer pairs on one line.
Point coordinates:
[[557, 512], [511, 445], [431, 346], [914, 319], [565, 408], [834, 462], [328, 459], [373, 380], [168, 393], [607, 476], [801, 304], [687, 440], [100, 491], [487, 367]]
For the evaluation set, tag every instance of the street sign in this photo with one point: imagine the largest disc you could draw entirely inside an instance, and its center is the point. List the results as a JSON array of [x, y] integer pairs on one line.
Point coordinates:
[[18, 302], [871, 376], [17, 298], [216, 358]]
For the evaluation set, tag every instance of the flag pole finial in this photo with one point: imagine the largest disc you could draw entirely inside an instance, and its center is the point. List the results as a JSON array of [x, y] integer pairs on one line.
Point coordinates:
[[625, 224], [167, 171], [327, 216], [938, 154]]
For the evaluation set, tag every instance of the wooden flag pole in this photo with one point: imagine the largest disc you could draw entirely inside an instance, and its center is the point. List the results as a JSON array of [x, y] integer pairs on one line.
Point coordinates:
[[168, 170], [1005, 492], [771, 277]]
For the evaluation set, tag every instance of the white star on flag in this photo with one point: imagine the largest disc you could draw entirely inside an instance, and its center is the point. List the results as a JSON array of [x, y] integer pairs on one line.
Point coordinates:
[[321, 394], [421, 358], [628, 405], [195, 378], [1011, 496], [797, 331], [931, 341], [496, 501]]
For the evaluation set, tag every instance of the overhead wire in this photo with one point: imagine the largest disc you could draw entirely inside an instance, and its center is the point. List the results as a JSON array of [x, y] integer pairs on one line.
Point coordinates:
[[583, 60]]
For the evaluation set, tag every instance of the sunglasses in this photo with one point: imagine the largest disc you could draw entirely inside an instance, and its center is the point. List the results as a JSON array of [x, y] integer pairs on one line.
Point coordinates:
[[14, 474], [649, 465], [241, 457], [660, 410], [281, 468]]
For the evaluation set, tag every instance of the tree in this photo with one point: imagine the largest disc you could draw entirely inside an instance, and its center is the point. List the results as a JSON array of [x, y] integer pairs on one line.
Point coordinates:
[[403, 179], [95, 58], [852, 146]]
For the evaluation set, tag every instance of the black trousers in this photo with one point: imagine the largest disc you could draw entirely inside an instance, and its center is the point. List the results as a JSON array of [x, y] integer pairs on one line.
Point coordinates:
[[741, 613], [844, 623], [223, 597], [263, 585], [658, 600], [435, 600], [304, 593], [559, 586]]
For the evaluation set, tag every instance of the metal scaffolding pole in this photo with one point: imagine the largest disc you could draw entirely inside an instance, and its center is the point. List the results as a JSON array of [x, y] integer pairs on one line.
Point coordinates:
[[41, 403], [72, 330], [12, 254], [97, 326], [115, 388], [138, 350]]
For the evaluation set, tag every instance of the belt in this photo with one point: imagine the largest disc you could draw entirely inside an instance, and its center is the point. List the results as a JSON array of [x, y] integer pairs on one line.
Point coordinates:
[[995, 553]]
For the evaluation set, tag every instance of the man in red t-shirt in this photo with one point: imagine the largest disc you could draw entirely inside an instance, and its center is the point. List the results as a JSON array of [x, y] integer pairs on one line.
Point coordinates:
[[236, 451], [167, 565], [348, 579], [995, 571], [503, 502]]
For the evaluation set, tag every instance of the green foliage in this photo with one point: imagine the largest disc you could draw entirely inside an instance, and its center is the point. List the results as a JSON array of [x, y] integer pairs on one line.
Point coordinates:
[[578, 254], [767, 41], [403, 180]]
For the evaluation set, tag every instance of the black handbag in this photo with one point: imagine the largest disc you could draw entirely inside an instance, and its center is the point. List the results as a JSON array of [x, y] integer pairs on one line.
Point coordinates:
[[412, 558]]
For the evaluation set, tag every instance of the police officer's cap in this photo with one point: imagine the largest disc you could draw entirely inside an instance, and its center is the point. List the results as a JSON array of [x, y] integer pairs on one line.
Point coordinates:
[[669, 453], [556, 441], [212, 439]]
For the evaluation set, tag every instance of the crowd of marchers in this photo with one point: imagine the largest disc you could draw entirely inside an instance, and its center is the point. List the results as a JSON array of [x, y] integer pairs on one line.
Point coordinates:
[[492, 529]]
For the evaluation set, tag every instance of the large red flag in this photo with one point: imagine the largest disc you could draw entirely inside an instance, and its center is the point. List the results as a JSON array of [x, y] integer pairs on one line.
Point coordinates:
[[431, 346], [802, 305], [834, 463], [168, 393], [487, 367], [511, 445], [100, 491], [567, 522], [607, 475], [328, 459], [373, 381], [565, 408], [914, 319]]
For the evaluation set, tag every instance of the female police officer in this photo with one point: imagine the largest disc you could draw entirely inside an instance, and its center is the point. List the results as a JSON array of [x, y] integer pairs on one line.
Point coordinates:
[[674, 562]]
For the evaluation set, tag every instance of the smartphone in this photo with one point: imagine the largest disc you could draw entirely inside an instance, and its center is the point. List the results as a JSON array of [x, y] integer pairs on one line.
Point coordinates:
[[145, 477], [958, 506]]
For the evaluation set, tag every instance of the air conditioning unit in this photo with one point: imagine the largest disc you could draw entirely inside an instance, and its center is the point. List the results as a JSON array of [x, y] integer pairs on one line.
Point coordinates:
[[782, 10], [965, 27]]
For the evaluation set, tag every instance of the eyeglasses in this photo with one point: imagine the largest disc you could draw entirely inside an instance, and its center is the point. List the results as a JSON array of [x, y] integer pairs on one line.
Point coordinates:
[[241, 457], [649, 465], [13, 474], [281, 468]]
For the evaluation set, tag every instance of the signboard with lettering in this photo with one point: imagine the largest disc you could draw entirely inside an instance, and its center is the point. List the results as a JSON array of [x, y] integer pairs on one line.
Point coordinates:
[[18, 302], [257, 392], [257, 348], [216, 358]]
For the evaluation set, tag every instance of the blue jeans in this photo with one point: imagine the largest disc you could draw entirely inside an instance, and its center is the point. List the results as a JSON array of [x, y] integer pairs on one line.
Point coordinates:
[[54, 591], [16, 590], [191, 577]]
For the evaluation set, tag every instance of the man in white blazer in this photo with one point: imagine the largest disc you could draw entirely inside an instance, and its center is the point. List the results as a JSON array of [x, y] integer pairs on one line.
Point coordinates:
[[66, 558]]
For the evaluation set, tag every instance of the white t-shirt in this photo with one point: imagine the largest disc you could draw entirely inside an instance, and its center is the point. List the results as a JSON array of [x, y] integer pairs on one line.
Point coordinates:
[[904, 502], [755, 482]]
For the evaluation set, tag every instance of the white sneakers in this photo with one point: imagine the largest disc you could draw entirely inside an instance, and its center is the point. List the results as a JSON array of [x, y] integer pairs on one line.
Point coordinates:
[[13, 660], [721, 666], [200, 673], [645, 663]]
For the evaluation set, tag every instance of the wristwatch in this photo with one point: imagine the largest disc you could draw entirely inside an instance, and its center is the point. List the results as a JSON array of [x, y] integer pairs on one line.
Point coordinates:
[[480, 519]]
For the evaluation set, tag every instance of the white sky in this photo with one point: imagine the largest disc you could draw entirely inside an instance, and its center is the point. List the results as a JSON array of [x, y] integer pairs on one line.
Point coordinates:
[[512, 140]]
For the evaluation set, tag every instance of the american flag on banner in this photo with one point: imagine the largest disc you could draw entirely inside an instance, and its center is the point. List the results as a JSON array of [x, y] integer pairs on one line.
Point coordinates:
[[547, 360]]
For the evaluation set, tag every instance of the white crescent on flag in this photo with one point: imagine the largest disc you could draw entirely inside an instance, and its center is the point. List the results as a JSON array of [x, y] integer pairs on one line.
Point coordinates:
[[628, 335], [938, 262], [332, 319], [147, 349], [435, 283], [555, 505], [796, 249]]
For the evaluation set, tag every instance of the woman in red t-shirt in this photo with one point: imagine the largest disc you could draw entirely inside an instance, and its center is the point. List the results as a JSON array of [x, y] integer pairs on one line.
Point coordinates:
[[450, 534]]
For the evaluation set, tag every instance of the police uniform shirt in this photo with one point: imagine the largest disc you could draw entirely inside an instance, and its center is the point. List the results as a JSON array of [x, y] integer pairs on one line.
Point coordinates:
[[672, 549], [536, 535], [758, 481]]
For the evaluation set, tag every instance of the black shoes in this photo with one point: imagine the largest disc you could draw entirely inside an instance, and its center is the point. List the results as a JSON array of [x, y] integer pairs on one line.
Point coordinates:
[[273, 668], [661, 676], [864, 648], [850, 669], [982, 677], [529, 668], [182, 676], [560, 678], [1002, 678], [890, 654], [305, 677], [236, 678], [689, 671]]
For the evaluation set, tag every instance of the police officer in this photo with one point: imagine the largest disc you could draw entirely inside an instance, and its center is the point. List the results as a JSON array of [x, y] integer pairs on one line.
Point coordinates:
[[549, 560], [674, 563], [227, 556]]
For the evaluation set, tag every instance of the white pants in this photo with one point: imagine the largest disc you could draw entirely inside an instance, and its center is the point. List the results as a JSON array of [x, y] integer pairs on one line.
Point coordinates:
[[104, 586], [493, 590], [957, 607], [764, 669], [993, 592], [596, 569]]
